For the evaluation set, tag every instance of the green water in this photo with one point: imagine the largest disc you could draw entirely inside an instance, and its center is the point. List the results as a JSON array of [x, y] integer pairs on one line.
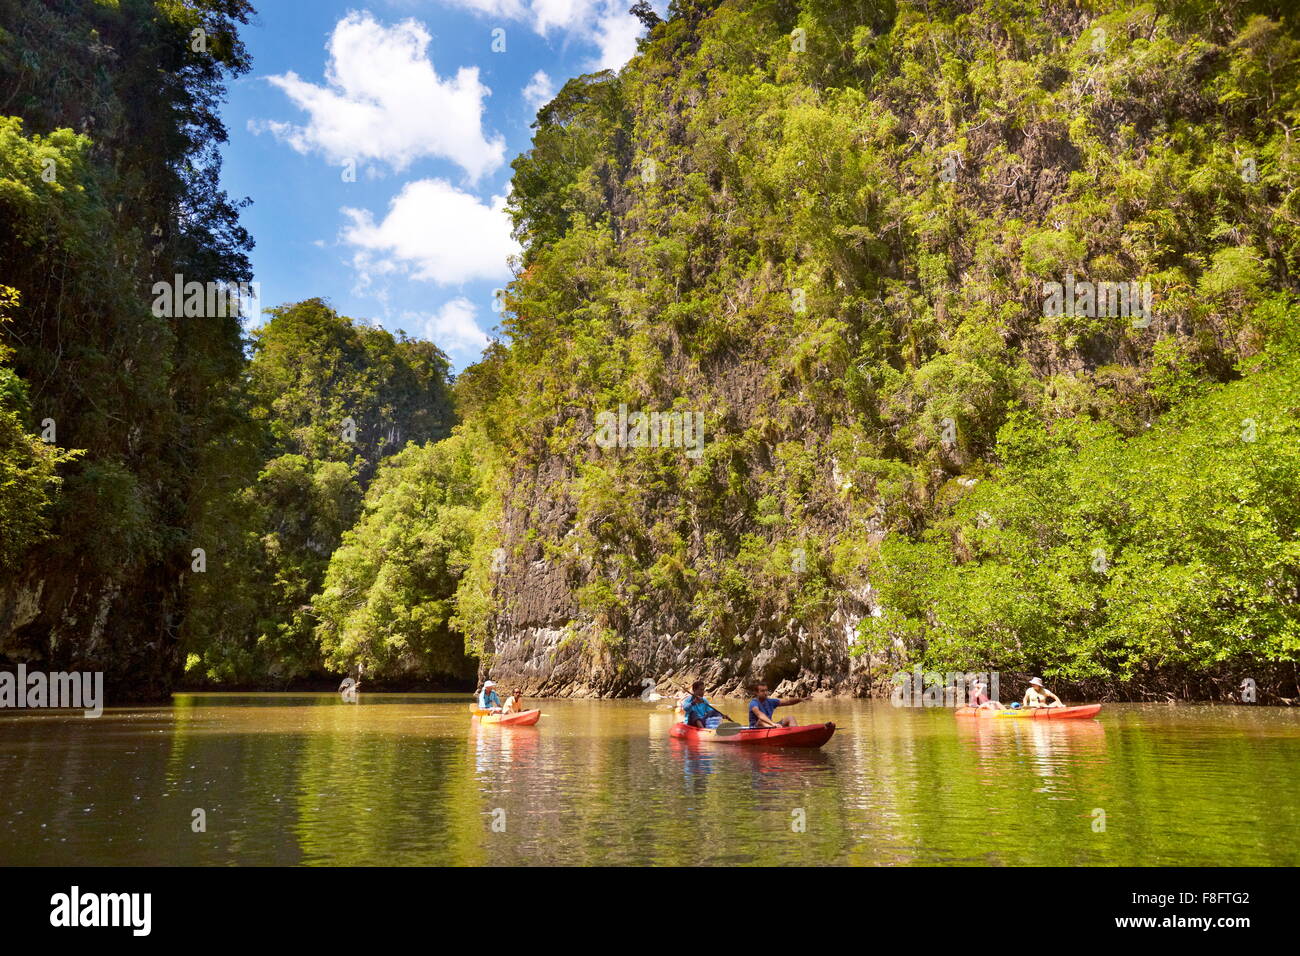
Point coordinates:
[[410, 779]]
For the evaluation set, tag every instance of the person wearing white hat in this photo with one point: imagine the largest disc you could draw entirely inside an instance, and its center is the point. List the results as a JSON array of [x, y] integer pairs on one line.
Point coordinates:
[[488, 699], [1036, 695]]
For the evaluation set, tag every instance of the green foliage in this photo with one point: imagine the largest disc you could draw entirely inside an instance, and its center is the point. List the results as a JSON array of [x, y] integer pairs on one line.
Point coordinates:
[[823, 226], [1089, 556], [828, 227], [328, 401], [334, 390], [28, 479], [388, 596], [88, 220], [574, 160]]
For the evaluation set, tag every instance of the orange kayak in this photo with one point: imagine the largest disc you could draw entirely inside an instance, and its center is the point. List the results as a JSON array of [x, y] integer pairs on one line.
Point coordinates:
[[525, 718], [1081, 712], [810, 735]]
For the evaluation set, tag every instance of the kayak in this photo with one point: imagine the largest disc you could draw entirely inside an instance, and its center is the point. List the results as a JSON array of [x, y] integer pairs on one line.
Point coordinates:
[[525, 718], [1080, 712], [810, 735]]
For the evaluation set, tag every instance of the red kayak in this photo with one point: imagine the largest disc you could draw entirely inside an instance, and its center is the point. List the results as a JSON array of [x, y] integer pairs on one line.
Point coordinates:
[[812, 735], [523, 719], [1081, 712]]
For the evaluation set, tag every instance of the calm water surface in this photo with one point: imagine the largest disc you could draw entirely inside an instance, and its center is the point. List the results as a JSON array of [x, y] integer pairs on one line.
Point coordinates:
[[409, 779]]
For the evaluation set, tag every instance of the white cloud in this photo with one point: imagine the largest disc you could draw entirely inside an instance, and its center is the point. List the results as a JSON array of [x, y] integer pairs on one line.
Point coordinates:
[[616, 33], [540, 90], [506, 9], [605, 24], [383, 100], [454, 329], [564, 14], [433, 231]]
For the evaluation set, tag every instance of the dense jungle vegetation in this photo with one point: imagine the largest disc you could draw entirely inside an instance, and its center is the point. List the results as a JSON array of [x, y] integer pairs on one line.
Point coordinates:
[[171, 491], [828, 225]]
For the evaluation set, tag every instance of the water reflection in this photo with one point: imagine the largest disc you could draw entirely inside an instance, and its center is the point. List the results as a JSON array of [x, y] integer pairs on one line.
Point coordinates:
[[496, 748], [409, 779], [1050, 749]]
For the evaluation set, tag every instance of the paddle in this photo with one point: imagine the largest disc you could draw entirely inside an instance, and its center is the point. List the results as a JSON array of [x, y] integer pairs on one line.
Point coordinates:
[[727, 729]]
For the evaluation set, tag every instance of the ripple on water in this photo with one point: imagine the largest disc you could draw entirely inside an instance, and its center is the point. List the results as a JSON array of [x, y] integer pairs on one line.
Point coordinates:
[[305, 779]]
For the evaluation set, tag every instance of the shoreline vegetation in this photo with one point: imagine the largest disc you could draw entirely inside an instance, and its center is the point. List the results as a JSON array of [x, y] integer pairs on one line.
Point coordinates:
[[884, 437], [1075, 693]]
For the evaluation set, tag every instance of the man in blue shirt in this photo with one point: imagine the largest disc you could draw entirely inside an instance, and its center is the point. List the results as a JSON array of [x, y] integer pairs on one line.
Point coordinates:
[[762, 707], [488, 699], [695, 709]]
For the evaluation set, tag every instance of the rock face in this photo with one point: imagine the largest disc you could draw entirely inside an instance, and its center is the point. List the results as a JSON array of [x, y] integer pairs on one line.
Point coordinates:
[[838, 265], [143, 398], [58, 622], [549, 661], [544, 647]]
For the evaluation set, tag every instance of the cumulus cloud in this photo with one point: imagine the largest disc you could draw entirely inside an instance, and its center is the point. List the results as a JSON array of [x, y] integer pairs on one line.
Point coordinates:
[[615, 32], [605, 24], [433, 231], [383, 100], [506, 9], [540, 90], [454, 328]]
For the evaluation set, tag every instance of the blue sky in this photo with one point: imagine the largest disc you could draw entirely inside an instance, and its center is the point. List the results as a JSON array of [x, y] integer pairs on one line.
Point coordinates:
[[375, 142]]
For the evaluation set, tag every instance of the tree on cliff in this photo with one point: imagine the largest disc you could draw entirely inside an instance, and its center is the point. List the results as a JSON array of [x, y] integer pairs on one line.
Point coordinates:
[[329, 399], [387, 601], [109, 168], [830, 227]]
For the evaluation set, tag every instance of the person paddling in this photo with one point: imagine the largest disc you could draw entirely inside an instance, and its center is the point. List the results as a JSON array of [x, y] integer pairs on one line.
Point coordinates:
[[488, 699], [695, 709], [1036, 695], [762, 707], [515, 702]]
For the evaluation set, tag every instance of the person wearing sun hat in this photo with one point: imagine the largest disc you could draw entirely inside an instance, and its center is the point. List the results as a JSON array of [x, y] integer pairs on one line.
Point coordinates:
[[1036, 695], [488, 699]]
